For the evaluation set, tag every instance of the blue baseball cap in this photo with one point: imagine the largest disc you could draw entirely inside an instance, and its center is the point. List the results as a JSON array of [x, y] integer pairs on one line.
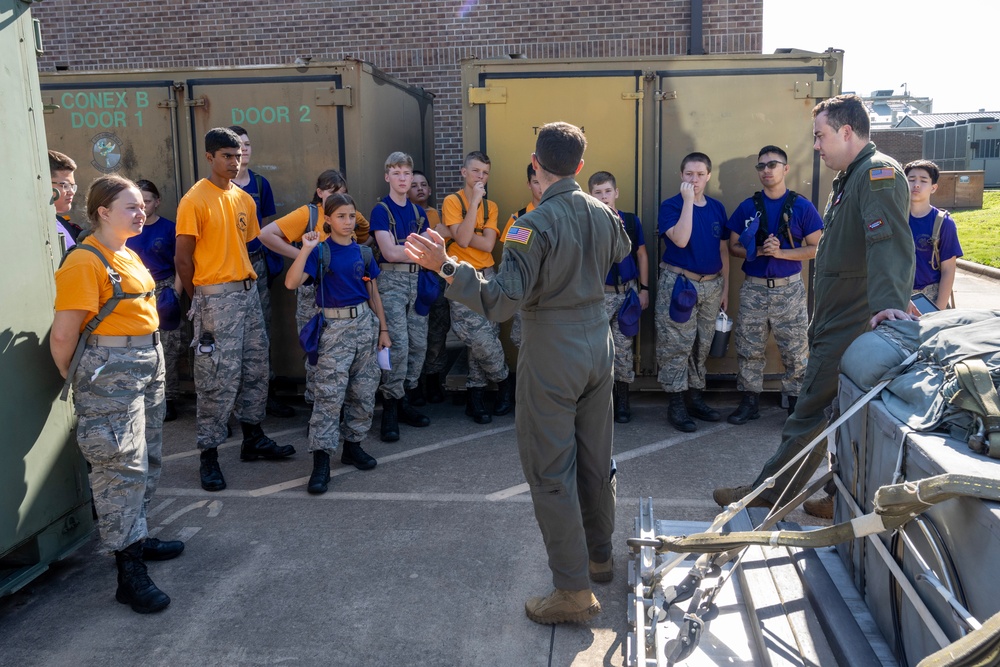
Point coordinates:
[[683, 299], [629, 314]]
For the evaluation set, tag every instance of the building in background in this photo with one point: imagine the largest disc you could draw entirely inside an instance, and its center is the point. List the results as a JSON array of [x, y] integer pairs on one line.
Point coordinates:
[[421, 43]]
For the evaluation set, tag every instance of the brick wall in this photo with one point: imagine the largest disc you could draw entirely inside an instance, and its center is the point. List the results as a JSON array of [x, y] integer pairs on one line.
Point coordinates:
[[419, 41], [904, 145]]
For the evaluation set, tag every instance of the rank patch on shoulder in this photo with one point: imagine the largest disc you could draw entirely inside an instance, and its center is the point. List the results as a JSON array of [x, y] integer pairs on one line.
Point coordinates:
[[519, 235], [872, 226], [881, 174]]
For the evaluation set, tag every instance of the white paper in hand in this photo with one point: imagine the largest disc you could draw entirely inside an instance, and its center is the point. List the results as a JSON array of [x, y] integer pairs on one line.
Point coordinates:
[[383, 359]]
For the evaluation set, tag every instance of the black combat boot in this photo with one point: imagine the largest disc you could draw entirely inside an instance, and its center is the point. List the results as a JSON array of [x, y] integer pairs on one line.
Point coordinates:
[[700, 409], [154, 549], [390, 420], [475, 405], [623, 411], [320, 477], [211, 474], [677, 413], [170, 411], [276, 408], [792, 400], [135, 588], [747, 410], [411, 417], [505, 396], [256, 445], [433, 389], [353, 455], [416, 395]]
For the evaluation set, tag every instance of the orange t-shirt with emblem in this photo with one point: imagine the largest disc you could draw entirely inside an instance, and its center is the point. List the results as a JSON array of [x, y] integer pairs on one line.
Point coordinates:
[[433, 218], [222, 222], [294, 225], [82, 283], [451, 215]]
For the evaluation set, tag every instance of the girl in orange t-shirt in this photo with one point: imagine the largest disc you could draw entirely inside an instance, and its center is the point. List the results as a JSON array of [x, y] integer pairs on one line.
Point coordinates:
[[118, 383]]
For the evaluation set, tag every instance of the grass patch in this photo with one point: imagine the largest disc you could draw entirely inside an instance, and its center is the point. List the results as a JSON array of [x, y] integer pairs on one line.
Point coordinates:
[[979, 231]]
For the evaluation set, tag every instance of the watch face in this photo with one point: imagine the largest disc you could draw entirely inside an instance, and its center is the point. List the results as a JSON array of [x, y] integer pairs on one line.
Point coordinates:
[[448, 269]]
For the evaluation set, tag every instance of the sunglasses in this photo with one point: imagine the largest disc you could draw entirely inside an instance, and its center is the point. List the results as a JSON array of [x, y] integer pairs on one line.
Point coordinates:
[[773, 164], [66, 187]]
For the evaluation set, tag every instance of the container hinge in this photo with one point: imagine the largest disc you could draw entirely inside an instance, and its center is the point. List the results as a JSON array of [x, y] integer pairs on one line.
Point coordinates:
[[167, 104], [487, 95], [334, 97], [197, 102], [637, 95], [808, 90], [49, 105], [662, 95]]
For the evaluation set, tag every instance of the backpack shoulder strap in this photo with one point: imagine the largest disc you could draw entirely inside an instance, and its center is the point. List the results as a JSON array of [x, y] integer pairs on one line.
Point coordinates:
[[784, 225], [313, 218], [762, 227], [521, 212], [259, 181], [392, 220], [366, 258], [117, 295], [936, 239]]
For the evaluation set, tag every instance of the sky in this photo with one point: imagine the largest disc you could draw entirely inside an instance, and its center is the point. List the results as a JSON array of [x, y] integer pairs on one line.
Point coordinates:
[[951, 57]]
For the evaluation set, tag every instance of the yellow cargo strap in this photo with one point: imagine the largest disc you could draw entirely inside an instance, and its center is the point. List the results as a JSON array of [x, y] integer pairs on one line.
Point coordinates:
[[976, 394]]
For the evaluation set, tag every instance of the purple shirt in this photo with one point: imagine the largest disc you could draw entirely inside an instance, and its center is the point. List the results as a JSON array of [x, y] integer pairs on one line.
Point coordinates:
[[702, 253], [156, 246], [923, 229], [805, 220]]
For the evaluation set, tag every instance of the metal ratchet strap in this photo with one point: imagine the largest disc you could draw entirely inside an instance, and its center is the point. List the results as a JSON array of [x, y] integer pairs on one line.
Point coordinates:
[[977, 395]]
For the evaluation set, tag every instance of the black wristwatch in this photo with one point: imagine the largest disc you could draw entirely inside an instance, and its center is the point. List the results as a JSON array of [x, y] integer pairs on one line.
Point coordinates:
[[643, 287], [448, 269]]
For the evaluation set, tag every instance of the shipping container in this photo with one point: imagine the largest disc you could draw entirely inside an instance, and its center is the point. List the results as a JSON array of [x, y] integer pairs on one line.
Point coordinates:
[[641, 116], [301, 120], [44, 493]]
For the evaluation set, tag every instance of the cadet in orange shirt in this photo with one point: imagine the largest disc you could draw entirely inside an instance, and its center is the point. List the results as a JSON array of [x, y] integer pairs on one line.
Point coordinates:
[[470, 230], [215, 220], [105, 343]]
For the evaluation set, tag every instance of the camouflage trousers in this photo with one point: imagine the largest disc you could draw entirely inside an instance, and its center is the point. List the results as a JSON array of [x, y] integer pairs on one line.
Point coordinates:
[[119, 401], [783, 312], [407, 329], [173, 347], [482, 339], [438, 325], [347, 374], [624, 358], [259, 262], [682, 347], [930, 291], [515, 330], [305, 309], [232, 377]]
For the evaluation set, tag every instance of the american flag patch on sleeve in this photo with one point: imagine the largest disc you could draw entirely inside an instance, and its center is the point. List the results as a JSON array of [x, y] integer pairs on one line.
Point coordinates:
[[881, 174], [518, 235]]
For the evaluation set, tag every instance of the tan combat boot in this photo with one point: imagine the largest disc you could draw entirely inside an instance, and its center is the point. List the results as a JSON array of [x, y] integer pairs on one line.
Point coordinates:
[[602, 572], [561, 606]]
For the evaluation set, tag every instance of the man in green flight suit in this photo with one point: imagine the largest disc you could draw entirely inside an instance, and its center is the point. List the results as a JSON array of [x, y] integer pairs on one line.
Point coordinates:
[[864, 275], [554, 263]]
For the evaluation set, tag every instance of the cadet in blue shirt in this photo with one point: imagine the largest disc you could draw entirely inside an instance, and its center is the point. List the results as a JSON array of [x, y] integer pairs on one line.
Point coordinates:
[[774, 232], [935, 270], [347, 372], [155, 247], [691, 226], [392, 220], [630, 274]]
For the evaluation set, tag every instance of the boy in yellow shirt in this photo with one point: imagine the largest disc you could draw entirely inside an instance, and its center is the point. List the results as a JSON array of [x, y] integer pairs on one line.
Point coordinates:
[[470, 230], [215, 221]]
